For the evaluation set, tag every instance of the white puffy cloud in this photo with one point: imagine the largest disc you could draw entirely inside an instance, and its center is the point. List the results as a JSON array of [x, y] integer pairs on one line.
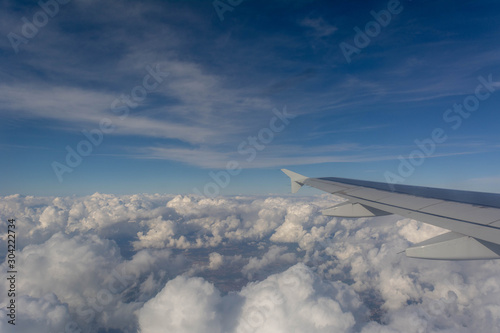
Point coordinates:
[[184, 306], [46, 314], [82, 273], [111, 262], [416, 232], [85, 282], [215, 261], [275, 255], [295, 300]]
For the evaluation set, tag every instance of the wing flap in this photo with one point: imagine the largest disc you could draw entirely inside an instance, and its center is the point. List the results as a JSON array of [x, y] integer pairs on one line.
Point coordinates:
[[454, 246]]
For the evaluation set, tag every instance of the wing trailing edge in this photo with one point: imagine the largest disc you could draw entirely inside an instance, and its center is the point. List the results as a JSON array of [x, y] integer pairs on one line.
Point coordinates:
[[454, 246]]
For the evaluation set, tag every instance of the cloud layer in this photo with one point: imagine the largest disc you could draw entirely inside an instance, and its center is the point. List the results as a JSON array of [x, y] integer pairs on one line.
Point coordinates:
[[159, 263]]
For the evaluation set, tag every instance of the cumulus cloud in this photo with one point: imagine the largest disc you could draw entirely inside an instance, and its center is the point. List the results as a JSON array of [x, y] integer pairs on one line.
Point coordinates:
[[46, 314], [233, 264], [215, 260], [275, 255], [293, 300], [184, 305]]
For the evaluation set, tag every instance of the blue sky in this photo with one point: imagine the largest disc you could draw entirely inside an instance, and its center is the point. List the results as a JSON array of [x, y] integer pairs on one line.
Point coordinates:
[[196, 89]]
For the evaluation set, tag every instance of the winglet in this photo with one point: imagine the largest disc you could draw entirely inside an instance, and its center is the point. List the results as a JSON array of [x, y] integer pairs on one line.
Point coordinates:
[[296, 179]]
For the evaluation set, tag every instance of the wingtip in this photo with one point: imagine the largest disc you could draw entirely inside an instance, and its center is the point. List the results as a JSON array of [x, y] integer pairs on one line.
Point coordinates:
[[297, 180], [293, 175]]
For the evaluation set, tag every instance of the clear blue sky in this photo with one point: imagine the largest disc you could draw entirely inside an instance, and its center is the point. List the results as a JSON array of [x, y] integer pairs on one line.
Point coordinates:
[[186, 86]]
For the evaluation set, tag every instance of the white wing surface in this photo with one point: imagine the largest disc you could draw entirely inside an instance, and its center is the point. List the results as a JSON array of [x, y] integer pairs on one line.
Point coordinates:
[[473, 218]]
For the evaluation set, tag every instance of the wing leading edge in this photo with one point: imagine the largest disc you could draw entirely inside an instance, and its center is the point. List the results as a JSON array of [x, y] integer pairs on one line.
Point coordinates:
[[473, 218]]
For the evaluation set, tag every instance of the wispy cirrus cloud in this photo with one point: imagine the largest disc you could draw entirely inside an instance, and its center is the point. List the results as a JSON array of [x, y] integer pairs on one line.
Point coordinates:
[[274, 156], [225, 79], [320, 27]]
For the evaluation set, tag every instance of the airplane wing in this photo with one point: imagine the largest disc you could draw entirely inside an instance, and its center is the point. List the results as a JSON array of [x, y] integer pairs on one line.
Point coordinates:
[[473, 218]]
